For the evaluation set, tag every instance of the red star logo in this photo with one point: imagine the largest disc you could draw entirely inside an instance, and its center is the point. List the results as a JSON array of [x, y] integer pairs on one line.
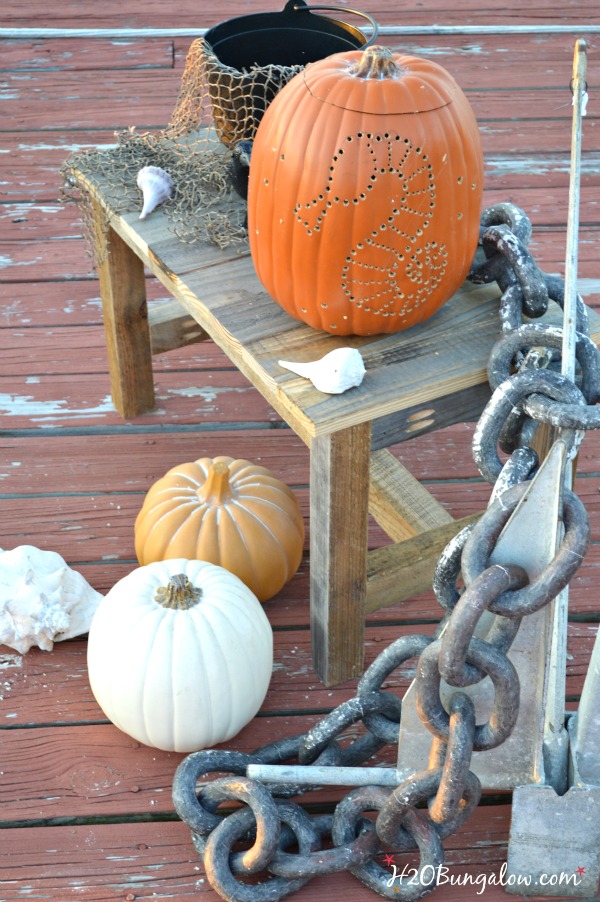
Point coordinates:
[[389, 860], [580, 871]]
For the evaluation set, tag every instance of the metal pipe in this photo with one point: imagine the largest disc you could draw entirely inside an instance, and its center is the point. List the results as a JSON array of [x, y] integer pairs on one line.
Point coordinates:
[[326, 776], [28, 34]]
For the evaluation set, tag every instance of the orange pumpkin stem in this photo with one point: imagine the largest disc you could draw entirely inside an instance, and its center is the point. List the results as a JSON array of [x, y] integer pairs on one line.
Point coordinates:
[[216, 490], [179, 594], [377, 62]]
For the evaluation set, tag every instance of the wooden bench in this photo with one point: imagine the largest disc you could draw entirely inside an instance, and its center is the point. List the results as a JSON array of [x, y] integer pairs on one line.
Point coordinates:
[[429, 377]]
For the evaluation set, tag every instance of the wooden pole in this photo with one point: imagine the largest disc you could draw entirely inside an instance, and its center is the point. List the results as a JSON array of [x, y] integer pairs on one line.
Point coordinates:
[[579, 88]]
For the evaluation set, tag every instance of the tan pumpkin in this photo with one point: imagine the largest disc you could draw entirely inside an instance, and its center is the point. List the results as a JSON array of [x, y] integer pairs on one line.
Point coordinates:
[[365, 189], [232, 513]]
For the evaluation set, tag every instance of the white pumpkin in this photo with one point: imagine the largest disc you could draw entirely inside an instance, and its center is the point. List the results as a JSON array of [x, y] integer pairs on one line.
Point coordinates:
[[180, 655]]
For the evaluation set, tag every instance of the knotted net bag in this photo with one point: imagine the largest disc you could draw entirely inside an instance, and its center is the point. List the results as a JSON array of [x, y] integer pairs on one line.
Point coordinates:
[[217, 108]]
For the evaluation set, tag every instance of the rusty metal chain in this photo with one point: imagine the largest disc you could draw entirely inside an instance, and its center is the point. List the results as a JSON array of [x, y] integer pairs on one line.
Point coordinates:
[[527, 390]]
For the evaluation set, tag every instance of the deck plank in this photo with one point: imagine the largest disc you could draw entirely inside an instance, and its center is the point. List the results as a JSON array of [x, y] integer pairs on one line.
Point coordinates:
[[146, 98], [46, 688], [66, 54], [141, 862], [415, 12]]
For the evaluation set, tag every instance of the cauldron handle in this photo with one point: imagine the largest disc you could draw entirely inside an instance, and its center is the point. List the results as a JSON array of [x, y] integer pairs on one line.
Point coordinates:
[[300, 6]]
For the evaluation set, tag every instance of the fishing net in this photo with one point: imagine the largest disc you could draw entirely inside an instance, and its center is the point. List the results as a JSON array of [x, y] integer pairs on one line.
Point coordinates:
[[202, 148]]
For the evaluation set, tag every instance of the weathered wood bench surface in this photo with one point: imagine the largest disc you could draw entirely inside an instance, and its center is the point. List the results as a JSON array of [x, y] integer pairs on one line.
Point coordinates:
[[85, 812]]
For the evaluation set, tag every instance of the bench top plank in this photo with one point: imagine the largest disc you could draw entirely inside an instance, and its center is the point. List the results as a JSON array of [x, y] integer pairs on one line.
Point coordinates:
[[220, 289]]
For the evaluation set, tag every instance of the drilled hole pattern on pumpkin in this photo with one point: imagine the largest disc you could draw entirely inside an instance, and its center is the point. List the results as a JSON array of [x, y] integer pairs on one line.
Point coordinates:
[[395, 249]]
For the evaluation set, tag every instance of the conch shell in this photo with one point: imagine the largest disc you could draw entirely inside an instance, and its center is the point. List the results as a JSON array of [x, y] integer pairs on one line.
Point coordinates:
[[41, 599], [156, 186], [334, 373]]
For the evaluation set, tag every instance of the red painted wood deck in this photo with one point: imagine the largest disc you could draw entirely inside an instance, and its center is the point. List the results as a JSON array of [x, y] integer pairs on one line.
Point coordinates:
[[86, 812]]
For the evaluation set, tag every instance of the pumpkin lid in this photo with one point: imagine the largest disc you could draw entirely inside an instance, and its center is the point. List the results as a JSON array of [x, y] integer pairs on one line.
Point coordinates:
[[379, 82]]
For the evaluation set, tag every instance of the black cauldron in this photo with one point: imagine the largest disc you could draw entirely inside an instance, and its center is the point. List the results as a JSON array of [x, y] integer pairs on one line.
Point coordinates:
[[292, 37], [247, 60]]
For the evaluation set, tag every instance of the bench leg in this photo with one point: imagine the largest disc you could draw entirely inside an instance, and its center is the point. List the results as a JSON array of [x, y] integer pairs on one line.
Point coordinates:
[[339, 503], [123, 292]]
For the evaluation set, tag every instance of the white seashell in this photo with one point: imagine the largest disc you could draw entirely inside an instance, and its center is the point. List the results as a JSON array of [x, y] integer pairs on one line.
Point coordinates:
[[42, 600], [334, 373], [156, 186]]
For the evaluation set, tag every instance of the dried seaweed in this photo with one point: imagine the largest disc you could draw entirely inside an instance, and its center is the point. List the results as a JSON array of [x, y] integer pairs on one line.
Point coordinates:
[[217, 107]]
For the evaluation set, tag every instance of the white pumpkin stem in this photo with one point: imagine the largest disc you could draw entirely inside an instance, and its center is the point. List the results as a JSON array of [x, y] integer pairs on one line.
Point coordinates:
[[377, 62], [216, 489], [179, 594]]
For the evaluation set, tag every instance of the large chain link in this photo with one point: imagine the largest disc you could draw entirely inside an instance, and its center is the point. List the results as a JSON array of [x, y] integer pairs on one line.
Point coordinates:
[[527, 390]]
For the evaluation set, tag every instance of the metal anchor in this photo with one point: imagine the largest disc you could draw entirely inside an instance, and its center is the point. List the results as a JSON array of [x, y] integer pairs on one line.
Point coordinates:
[[537, 748]]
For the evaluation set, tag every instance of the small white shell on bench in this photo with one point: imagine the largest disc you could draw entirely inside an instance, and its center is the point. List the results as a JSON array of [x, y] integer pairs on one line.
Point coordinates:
[[334, 373], [156, 186], [41, 599]]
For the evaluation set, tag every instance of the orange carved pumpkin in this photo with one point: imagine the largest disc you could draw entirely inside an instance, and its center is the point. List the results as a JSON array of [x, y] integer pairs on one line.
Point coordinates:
[[365, 192], [228, 512]]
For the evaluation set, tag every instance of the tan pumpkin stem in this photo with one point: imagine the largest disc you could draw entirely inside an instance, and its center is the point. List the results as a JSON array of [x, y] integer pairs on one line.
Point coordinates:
[[377, 62], [216, 489], [179, 594]]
